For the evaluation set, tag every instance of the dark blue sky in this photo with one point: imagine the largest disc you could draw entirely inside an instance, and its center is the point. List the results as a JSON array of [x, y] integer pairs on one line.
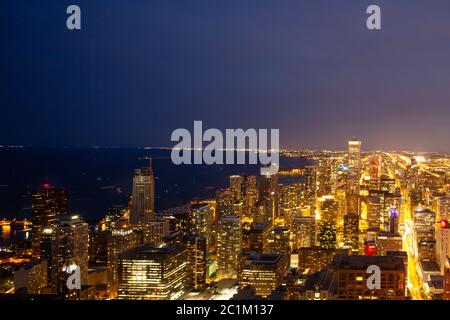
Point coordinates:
[[139, 69]]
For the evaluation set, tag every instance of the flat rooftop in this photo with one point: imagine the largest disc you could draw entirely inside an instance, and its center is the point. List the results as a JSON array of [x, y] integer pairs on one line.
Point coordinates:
[[362, 262]]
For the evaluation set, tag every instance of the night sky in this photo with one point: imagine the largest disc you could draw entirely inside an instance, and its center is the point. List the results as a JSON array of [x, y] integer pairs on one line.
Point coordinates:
[[139, 69]]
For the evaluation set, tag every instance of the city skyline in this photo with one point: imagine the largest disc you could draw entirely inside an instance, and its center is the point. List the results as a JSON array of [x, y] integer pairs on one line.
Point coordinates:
[[241, 151]]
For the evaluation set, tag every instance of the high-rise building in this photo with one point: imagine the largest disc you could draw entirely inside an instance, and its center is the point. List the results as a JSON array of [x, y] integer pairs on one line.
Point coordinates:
[[250, 196], [280, 242], [268, 196], [446, 295], [196, 262], [324, 177], [119, 240], [153, 272], [224, 201], [387, 184], [303, 231], [328, 221], [156, 230], [31, 276], [374, 211], [393, 220], [442, 244], [202, 222], [69, 248], [352, 278], [351, 230], [314, 259], [424, 226], [354, 166], [237, 187], [341, 198], [388, 241], [310, 187], [264, 272], [143, 197], [229, 244], [353, 203], [260, 235], [443, 207], [48, 203], [374, 172]]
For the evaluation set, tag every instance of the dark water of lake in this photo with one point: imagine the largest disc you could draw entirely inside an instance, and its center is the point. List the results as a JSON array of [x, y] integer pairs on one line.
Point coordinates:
[[98, 178], [13, 233]]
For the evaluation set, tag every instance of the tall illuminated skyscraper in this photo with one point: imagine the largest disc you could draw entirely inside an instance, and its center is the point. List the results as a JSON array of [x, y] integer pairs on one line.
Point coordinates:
[[310, 187], [229, 244], [351, 230], [48, 203], [352, 275], [69, 247], [374, 172], [120, 240], [250, 196], [202, 222], [153, 272], [374, 210], [442, 244], [224, 201], [354, 166], [196, 262], [237, 187], [264, 272], [303, 231], [268, 196], [143, 197], [327, 224]]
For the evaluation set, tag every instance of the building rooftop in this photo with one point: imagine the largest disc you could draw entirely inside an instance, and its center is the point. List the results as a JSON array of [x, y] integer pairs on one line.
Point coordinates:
[[429, 266], [263, 258], [362, 262], [154, 250]]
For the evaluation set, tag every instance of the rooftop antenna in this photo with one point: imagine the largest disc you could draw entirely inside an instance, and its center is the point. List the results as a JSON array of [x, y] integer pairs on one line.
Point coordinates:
[[150, 162]]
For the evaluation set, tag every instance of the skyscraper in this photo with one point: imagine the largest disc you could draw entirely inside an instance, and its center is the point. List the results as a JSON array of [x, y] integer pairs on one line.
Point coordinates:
[[268, 196], [153, 272], [442, 244], [310, 187], [374, 210], [119, 241], [229, 244], [393, 220], [374, 172], [303, 232], [143, 197], [328, 220], [69, 248], [237, 187], [264, 272], [352, 278], [224, 201], [354, 166], [351, 230], [48, 203], [202, 222], [196, 262]]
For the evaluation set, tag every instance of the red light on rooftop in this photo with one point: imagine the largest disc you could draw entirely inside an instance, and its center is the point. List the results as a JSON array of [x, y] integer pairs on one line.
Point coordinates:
[[46, 185], [370, 249]]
